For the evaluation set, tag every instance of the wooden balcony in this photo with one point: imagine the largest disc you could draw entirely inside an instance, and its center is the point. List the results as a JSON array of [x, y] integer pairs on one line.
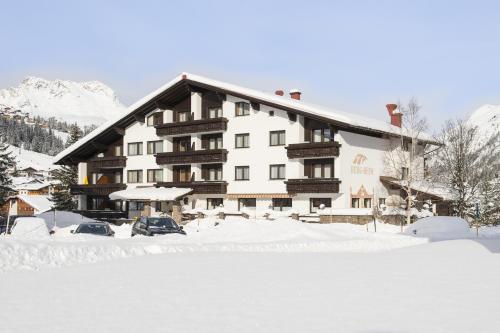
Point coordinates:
[[199, 187], [313, 185], [97, 189], [313, 149], [192, 156], [110, 162], [192, 126]]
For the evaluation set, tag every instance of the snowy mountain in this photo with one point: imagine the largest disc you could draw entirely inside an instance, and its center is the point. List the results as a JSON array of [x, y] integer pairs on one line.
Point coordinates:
[[83, 102], [487, 119]]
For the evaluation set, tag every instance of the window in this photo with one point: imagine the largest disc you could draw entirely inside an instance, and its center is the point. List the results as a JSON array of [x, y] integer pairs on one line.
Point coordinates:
[[248, 203], [242, 109], [354, 202], [242, 173], [96, 177], [118, 151], [183, 116], [381, 201], [182, 173], [277, 171], [367, 202], [134, 176], [282, 204], [118, 177], [182, 144], [322, 170], [155, 147], [136, 205], [214, 203], [155, 175], [212, 172], [277, 138], [242, 140], [322, 135], [134, 148], [213, 141], [155, 119], [271, 113], [317, 202], [404, 173], [406, 145], [214, 112]]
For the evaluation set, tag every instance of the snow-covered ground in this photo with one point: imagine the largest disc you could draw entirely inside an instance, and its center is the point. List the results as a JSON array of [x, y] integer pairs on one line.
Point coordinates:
[[251, 276]]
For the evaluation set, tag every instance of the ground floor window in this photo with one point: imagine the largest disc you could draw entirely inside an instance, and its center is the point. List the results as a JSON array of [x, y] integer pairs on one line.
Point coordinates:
[[282, 204], [317, 202], [367, 202], [214, 202], [136, 205], [248, 203], [381, 201]]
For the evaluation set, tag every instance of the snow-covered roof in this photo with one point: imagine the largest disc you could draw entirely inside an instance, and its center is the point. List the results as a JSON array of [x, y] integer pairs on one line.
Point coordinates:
[[31, 186], [350, 119], [40, 203], [151, 193]]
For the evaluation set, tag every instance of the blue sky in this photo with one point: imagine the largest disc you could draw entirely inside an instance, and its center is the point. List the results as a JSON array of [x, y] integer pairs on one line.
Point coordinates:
[[351, 55]]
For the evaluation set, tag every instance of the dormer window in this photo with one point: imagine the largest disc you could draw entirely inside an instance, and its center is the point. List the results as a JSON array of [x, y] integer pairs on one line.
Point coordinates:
[[242, 109]]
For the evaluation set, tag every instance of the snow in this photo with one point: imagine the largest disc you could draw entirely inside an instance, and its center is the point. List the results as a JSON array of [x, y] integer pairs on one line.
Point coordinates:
[[30, 228], [40, 203], [251, 275], [487, 119], [27, 158], [440, 228], [150, 193], [84, 103], [62, 219], [437, 287], [355, 120]]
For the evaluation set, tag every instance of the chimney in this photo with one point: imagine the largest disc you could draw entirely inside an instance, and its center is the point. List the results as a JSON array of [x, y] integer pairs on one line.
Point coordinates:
[[295, 94], [279, 92], [395, 114]]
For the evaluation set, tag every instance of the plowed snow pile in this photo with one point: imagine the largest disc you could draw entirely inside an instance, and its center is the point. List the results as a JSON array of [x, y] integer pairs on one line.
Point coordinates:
[[231, 235]]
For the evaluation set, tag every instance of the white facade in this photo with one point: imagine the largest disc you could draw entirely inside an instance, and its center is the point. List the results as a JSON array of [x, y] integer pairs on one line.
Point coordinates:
[[358, 167]]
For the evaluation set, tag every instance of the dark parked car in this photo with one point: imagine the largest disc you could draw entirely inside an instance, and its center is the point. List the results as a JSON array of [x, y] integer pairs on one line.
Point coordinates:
[[94, 228], [150, 226]]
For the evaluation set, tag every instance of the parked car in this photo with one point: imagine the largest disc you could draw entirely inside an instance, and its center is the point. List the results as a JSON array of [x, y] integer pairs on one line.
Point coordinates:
[[150, 226], [30, 227], [94, 228]]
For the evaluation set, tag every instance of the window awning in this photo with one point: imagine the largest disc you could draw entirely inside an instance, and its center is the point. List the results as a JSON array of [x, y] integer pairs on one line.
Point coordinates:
[[151, 193]]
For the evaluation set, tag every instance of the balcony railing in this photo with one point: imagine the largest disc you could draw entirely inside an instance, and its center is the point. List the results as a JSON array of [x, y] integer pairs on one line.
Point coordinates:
[[97, 189], [109, 162], [192, 156], [313, 185], [199, 187], [313, 149], [192, 126]]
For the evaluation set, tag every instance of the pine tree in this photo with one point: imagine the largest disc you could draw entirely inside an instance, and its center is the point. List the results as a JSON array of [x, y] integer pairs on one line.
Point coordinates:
[[75, 133], [7, 163], [62, 197]]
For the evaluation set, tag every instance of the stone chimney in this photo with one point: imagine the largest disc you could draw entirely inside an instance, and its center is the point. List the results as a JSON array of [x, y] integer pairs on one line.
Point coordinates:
[[395, 114], [279, 92], [295, 94]]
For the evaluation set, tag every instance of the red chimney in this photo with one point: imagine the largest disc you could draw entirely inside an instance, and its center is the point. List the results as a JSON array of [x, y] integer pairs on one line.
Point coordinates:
[[279, 92], [395, 114], [295, 94]]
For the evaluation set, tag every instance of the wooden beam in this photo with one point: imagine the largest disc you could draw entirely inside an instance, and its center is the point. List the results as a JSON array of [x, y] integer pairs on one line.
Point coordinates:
[[139, 118], [119, 130], [161, 105], [99, 146]]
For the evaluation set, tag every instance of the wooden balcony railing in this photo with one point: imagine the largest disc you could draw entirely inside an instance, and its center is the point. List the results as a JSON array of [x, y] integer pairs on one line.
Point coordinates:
[[313, 149], [192, 156], [97, 189], [110, 162], [313, 185], [199, 187], [192, 126]]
